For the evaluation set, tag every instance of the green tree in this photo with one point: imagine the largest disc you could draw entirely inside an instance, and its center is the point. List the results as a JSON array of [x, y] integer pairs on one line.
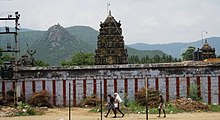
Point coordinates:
[[40, 63], [134, 59], [79, 58], [170, 58], [188, 54], [219, 56], [145, 60], [4, 58], [156, 59], [0, 52]]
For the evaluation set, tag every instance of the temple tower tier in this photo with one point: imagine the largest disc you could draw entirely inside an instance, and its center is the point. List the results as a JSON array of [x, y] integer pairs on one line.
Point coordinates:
[[205, 52], [110, 44]]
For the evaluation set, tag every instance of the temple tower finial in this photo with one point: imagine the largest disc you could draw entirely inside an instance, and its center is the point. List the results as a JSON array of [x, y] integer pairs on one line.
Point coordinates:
[[108, 5], [205, 40], [110, 13]]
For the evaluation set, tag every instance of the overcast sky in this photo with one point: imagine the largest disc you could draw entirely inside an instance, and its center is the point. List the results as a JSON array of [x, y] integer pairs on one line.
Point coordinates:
[[145, 21]]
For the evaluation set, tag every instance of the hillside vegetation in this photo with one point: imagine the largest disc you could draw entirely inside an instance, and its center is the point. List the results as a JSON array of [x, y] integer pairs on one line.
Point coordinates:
[[58, 43]]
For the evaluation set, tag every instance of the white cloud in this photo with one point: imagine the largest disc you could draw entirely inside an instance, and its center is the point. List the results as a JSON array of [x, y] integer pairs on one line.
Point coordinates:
[[148, 21]]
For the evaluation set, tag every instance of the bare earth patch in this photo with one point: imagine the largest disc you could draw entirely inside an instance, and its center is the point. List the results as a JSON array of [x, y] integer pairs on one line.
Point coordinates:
[[84, 114]]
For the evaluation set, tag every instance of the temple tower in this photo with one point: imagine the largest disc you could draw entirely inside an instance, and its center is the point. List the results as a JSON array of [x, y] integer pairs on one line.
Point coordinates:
[[110, 45], [207, 51]]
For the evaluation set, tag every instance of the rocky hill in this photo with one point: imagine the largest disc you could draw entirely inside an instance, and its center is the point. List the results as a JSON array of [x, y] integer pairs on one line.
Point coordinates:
[[58, 43]]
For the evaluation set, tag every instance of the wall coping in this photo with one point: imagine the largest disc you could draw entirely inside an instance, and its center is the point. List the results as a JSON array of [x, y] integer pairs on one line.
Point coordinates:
[[185, 64]]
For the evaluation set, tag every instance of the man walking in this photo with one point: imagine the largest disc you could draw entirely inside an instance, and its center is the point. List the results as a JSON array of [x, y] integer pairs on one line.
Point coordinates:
[[111, 106], [161, 105]]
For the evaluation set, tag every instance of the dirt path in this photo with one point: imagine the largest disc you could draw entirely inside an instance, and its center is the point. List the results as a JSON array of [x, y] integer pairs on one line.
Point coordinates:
[[84, 114]]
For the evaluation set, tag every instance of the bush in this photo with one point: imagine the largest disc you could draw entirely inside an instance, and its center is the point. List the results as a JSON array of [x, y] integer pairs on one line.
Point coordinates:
[[31, 111], [193, 93], [188, 104], [153, 97], [89, 101], [40, 99], [8, 99], [26, 110], [10, 93]]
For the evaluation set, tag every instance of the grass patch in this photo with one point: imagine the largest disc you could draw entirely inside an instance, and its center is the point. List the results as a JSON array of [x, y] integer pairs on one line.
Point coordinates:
[[96, 110], [170, 109], [133, 107], [26, 110], [214, 108]]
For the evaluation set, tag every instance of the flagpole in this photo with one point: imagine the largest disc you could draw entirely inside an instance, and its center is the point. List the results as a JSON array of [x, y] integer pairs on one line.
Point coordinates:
[[108, 4]]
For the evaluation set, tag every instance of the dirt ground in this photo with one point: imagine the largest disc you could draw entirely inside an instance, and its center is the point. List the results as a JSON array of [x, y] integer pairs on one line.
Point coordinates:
[[84, 114]]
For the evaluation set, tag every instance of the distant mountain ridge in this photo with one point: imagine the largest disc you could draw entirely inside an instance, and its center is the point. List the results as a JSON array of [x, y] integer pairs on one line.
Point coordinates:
[[58, 43], [175, 49], [84, 33], [2, 29]]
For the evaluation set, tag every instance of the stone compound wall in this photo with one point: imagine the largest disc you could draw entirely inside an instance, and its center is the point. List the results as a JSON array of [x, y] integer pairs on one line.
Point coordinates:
[[172, 80]]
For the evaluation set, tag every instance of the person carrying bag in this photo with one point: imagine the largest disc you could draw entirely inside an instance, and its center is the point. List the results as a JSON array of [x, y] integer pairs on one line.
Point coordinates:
[[117, 102]]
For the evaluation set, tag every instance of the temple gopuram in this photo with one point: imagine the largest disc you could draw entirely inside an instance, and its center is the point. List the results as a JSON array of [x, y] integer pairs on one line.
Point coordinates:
[[205, 52], [208, 51], [110, 45]]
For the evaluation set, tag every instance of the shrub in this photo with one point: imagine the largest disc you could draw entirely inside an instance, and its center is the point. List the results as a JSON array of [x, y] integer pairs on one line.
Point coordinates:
[[188, 104], [90, 101], [10, 93], [153, 97], [40, 99], [31, 111], [25, 110], [8, 99], [193, 93]]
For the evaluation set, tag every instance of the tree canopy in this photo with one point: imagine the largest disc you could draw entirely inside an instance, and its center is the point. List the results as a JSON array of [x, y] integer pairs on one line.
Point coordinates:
[[4, 58], [188, 54], [40, 63], [134, 59], [79, 58]]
